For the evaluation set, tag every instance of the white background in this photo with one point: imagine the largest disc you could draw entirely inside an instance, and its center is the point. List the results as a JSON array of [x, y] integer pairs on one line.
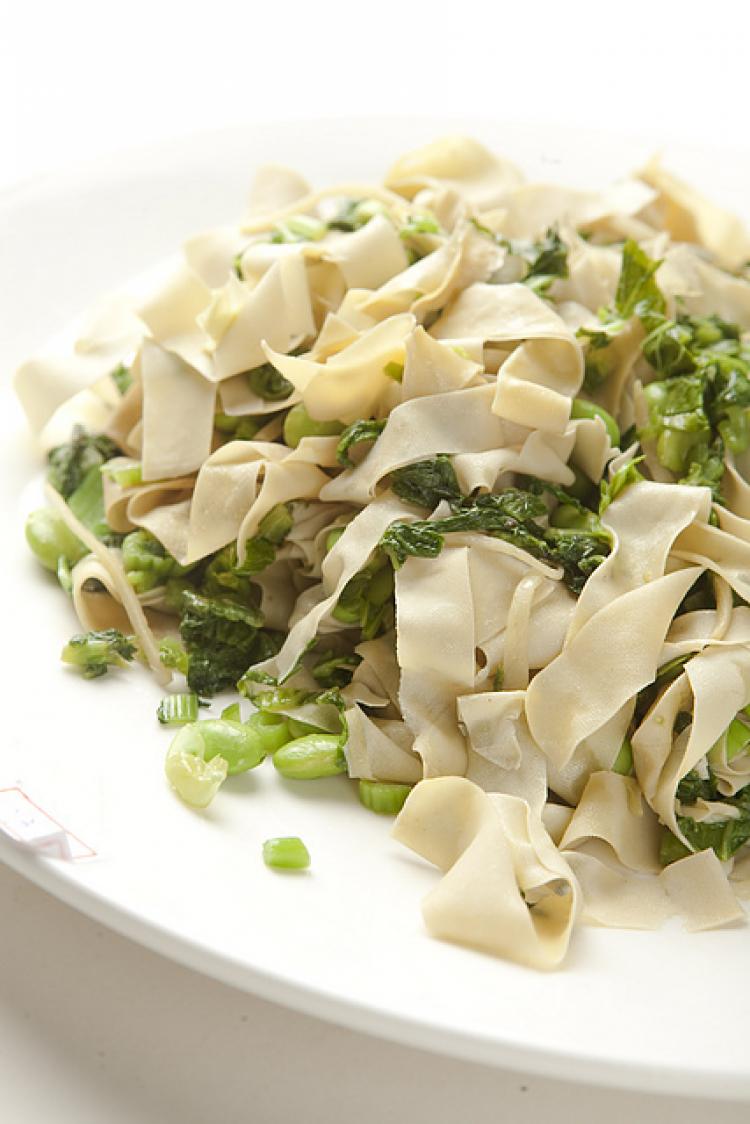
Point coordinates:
[[93, 1028]]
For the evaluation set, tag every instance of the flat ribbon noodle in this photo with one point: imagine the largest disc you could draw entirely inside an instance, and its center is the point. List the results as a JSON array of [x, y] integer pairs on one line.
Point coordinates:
[[505, 887], [435, 651], [596, 674], [536, 383]]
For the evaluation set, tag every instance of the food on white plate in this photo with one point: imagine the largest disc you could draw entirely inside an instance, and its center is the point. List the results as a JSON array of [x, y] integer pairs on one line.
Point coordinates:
[[450, 479]]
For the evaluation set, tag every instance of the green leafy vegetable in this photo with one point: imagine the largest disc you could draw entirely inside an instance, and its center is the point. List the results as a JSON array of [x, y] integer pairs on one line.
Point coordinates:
[[221, 638], [637, 295], [122, 378], [426, 483], [224, 574], [87, 504], [355, 434], [69, 464], [147, 563], [546, 260], [622, 479], [173, 655], [367, 599], [93, 653], [724, 836], [637, 291], [511, 515], [334, 670], [267, 383]]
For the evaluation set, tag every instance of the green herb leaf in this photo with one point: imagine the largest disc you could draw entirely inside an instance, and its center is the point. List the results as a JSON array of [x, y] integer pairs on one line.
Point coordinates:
[[269, 384], [426, 483], [69, 464], [358, 432]]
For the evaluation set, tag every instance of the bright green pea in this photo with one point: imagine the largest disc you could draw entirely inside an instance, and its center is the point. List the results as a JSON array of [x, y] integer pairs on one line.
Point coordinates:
[[299, 424], [569, 517], [272, 729], [333, 537], [315, 755], [239, 744], [300, 729], [580, 408], [50, 539]]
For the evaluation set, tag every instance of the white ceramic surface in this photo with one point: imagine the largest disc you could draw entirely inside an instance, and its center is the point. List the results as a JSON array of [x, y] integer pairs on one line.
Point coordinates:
[[648, 1010]]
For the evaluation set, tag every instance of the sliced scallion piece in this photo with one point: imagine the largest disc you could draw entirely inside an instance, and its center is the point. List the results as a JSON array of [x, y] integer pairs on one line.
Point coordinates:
[[178, 710], [384, 798]]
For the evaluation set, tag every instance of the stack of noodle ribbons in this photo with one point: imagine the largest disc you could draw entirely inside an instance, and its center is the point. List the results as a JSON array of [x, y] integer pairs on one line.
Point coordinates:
[[515, 800]]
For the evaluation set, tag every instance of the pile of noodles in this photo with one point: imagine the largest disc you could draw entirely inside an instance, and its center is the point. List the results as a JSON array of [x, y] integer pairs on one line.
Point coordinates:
[[515, 797]]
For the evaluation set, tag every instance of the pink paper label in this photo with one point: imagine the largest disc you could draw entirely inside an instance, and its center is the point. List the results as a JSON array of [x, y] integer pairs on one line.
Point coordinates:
[[28, 824]]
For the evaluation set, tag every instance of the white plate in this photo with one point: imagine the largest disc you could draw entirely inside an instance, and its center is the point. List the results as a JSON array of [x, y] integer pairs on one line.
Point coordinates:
[[649, 1010]]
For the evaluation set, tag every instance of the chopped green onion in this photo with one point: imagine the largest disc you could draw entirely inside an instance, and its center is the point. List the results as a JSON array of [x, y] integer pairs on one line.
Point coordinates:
[[299, 228], [316, 755], [288, 853], [177, 710], [423, 223], [232, 713], [394, 370], [383, 798]]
